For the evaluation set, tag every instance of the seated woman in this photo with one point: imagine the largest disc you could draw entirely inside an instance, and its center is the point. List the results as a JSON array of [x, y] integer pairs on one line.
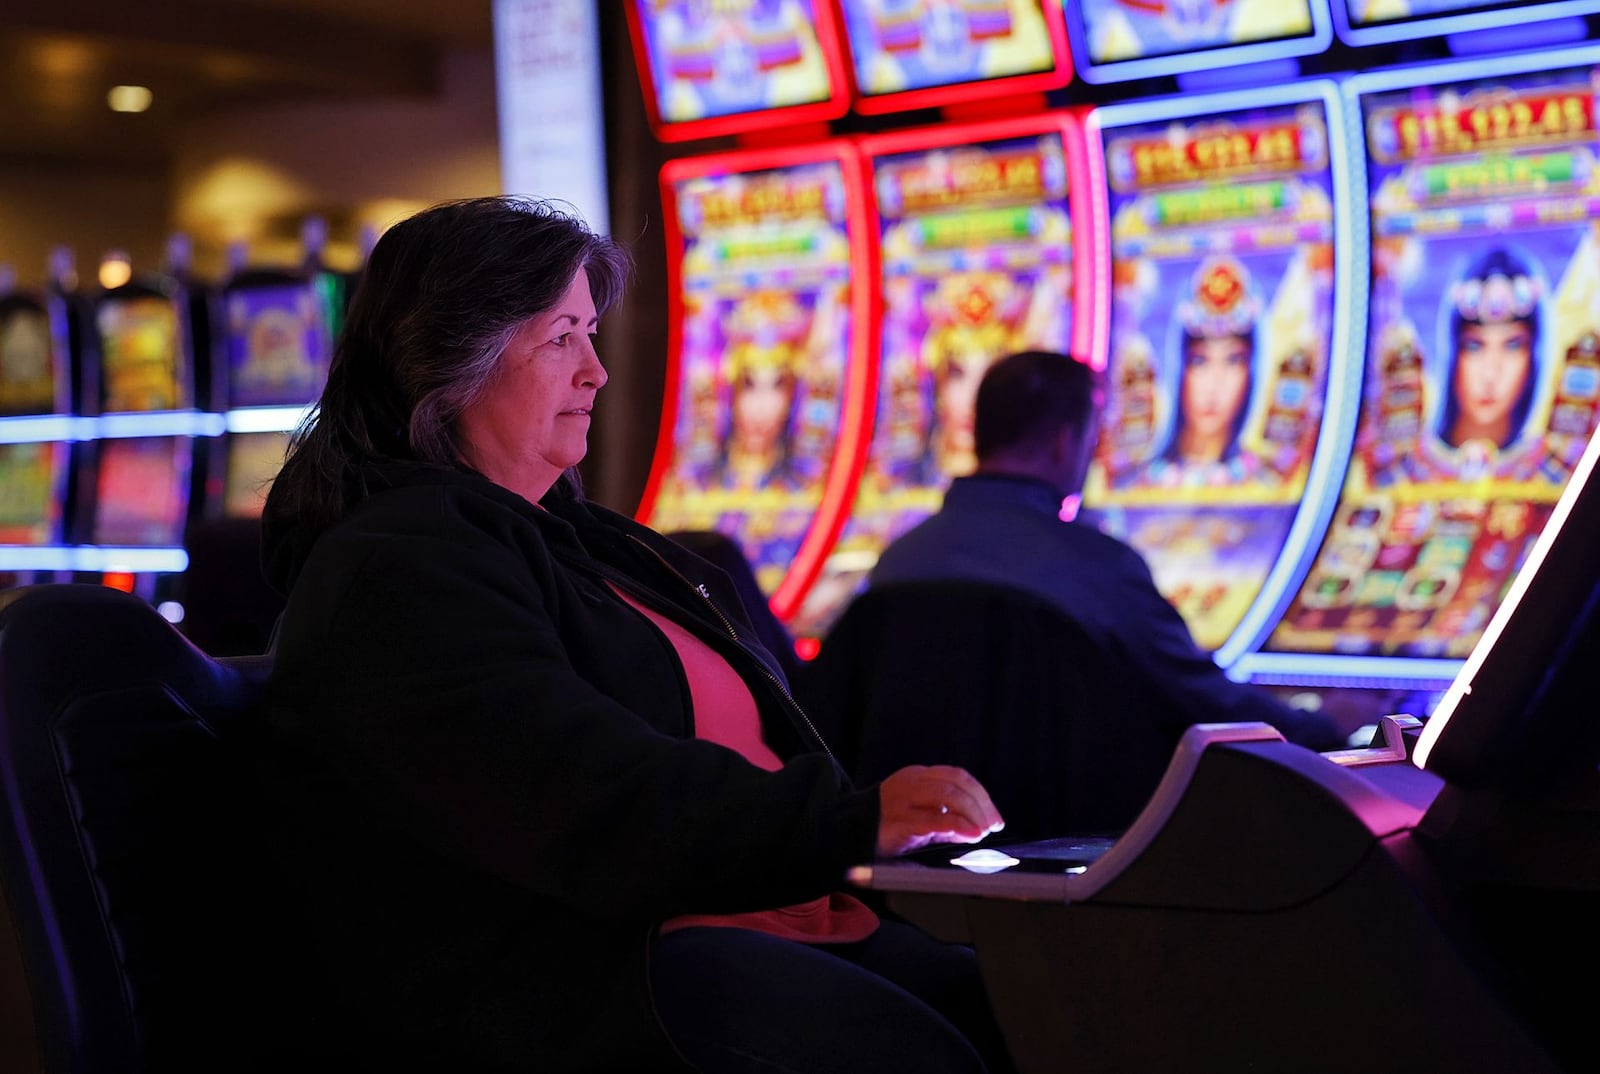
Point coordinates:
[[551, 808]]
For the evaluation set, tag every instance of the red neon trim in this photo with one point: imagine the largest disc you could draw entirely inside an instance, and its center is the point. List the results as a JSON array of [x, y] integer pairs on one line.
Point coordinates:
[[931, 96], [1027, 104], [791, 134], [861, 396], [1094, 264], [836, 104]]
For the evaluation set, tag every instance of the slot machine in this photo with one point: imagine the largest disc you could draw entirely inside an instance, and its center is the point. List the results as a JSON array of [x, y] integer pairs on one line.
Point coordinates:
[[768, 370], [37, 429], [139, 477], [1365, 22], [731, 68], [919, 55], [1120, 40], [980, 232], [278, 328], [1481, 384], [1231, 252]]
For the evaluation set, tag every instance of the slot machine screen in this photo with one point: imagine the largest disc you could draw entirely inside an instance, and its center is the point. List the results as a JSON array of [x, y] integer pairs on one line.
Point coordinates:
[[142, 491], [929, 52], [1482, 381], [1114, 40], [1374, 21], [253, 462], [976, 249], [32, 486], [33, 362], [1226, 331], [766, 384], [278, 345], [736, 65], [142, 363]]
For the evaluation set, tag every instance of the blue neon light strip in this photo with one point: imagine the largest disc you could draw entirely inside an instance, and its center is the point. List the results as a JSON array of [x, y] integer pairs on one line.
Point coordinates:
[[1318, 40], [266, 419], [93, 560], [46, 427], [1291, 668], [159, 423], [1514, 21]]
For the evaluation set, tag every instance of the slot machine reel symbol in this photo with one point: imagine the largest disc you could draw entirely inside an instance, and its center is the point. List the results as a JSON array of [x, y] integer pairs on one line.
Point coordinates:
[[1427, 589], [1331, 585]]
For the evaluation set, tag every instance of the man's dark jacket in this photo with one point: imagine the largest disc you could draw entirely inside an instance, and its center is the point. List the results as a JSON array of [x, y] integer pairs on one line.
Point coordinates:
[[488, 780]]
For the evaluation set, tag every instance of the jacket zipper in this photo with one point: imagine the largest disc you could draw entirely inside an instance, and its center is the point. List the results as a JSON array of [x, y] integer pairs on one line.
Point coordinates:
[[727, 625]]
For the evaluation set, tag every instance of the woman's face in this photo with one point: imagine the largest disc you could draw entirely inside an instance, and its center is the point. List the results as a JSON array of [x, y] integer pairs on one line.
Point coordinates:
[[533, 422], [1492, 366], [1216, 378], [762, 398], [956, 398]]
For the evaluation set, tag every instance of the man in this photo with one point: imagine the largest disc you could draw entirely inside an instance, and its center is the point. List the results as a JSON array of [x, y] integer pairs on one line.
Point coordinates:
[[1036, 424]]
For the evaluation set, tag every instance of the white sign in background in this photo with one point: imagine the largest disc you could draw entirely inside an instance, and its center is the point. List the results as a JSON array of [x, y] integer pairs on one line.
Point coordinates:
[[552, 116]]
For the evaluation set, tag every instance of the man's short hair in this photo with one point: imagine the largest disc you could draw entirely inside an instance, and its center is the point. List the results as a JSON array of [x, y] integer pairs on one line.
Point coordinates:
[[1028, 397]]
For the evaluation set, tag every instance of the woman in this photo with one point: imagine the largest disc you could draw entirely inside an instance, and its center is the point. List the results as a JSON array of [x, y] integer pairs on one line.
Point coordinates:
[[1493, 346], [551, 808], [1216, 359]]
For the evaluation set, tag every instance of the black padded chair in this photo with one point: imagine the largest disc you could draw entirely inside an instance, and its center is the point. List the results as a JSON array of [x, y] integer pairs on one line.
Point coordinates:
[[1055, 725], [148, 925]]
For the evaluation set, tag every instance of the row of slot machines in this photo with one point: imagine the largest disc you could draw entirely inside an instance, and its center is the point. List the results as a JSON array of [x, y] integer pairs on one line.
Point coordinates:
[[1350, 326], [136, 412]]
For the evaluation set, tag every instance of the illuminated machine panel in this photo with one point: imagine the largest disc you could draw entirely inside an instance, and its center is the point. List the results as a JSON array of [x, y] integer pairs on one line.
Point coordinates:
[[736, 65], [978, 259], [278, 339], [1229, 381], [1113, 40], [769, 373], [1482, 381], [917, 53], [144, 352], [1368, 22], [33, 479]]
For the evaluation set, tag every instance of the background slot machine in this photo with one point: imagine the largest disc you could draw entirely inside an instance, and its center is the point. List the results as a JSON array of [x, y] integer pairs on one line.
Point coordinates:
[[36, 431], [769, 371], [1482, 372], [736, 65], [924, 52], [1229, 377], [1118, 40], [1370, 22], [152, 336], [979, 255], [278, 327]]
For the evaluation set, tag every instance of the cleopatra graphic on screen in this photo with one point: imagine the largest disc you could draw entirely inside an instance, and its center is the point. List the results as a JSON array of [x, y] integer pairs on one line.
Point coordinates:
[[1118, 30], [765, 342], [976, 263], [1222, 246], [1482, 383], [732, 56]]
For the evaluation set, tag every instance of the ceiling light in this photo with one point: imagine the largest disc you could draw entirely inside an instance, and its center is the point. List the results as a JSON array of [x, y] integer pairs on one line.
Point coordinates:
[[129, 98], [115, 270]]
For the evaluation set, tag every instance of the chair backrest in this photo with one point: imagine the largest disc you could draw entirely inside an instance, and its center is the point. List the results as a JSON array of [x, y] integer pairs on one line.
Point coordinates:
[[145, 919], [996, 680]]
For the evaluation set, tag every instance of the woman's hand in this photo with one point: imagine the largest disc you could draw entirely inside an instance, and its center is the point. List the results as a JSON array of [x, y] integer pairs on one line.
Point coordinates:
[[923, 804]]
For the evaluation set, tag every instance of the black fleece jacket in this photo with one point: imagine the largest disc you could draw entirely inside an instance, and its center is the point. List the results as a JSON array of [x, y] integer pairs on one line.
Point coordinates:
[[486, 781]]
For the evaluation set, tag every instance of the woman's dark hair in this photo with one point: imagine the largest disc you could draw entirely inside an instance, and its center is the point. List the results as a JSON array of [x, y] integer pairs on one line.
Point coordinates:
[[1027, 398], [1469, 301], [440, 297]]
